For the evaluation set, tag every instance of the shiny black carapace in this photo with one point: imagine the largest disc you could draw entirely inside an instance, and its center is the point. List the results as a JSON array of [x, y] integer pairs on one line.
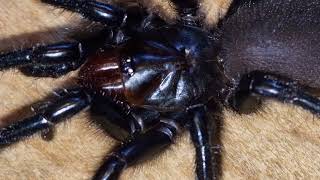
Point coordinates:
[[147, 79]]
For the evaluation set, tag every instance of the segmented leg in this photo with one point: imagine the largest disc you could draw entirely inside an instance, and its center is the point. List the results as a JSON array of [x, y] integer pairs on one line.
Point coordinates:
[[54, 112], [49, 70], [50, 60], [259, 84], [93, 10], [55, 53], [56, 59], [136, 148], [206, 164], [131, 20]]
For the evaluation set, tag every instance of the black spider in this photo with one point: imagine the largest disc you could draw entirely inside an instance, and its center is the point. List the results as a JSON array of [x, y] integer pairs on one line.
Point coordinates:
[[150, 78]]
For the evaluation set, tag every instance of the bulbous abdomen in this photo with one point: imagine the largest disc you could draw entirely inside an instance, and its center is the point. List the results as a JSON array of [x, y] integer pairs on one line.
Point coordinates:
[[279, 36]]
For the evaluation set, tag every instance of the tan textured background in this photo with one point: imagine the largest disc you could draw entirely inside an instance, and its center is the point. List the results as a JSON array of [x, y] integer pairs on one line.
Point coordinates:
[[279, 142]]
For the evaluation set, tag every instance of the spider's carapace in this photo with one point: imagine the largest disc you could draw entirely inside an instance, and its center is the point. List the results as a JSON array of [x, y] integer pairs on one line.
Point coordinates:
[[167, 68]]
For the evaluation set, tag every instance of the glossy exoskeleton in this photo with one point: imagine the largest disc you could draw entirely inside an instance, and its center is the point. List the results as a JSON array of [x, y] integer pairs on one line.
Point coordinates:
[[149, 79]]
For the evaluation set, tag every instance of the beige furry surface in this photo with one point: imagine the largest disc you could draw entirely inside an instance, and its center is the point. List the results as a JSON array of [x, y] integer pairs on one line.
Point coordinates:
[[279, 142]]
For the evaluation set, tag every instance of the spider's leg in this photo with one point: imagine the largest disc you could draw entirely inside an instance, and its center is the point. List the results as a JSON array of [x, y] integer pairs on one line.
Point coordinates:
[[137, 148], [96, 11], [49, 60], [206, 163], [69, 104], [132, 19], [56, 59], [48, 70], [260, 84]]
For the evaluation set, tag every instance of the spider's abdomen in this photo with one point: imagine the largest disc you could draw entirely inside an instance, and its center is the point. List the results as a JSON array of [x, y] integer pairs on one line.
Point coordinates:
[[278, 36], [164, 72]]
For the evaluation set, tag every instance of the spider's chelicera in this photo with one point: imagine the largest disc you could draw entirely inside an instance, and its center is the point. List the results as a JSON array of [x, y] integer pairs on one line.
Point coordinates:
[[150, 79]]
